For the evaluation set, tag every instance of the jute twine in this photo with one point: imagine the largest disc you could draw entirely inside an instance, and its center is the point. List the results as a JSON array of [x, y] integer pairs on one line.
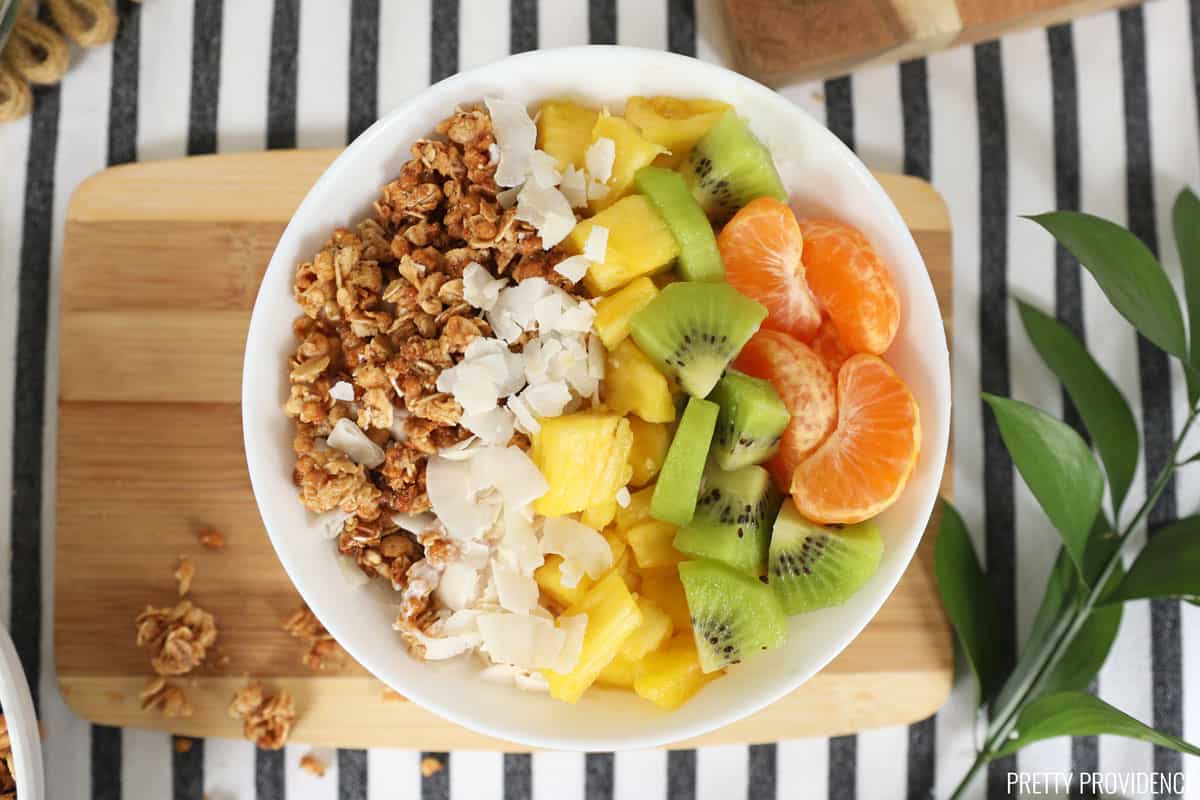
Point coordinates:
[[37, 53]]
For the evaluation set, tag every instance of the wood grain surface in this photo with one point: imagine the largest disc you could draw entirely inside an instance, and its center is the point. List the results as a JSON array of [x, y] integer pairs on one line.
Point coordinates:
[[161, 264]]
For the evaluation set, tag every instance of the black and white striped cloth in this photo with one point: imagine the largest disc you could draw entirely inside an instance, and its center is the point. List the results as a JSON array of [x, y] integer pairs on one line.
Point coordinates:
[[1099, 115]]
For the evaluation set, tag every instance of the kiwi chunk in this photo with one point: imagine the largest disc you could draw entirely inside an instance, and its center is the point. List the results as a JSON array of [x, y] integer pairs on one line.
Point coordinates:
[[692, 330], [733, 519], [734, 615], [812, 567], [729, 167], [675, 494], [751, 421], [699, 258]]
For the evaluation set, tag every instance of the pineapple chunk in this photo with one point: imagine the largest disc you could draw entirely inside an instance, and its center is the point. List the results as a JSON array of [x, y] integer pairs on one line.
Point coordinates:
[[637, 511], [613, 614], [652, 544], [633, 385], [585, 458], [619, 673], [616, 543], [670, 676], [633, 153], [614, 312], [655, 629], [549, 579], [665, 590], [674, 123], [639, 243], [626, 567], [650, 443], [565, 131]]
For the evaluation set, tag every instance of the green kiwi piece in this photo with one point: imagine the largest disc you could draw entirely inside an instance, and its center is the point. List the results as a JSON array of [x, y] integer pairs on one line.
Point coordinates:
[[812, 567], [678, 486], [733, 519], [734, 615], [692, 330], [751, 421], [729, 167], [699, 258]]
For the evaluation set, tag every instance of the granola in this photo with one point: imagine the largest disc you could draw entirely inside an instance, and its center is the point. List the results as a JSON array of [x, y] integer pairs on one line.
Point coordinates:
[[184, 574], [8, 769], [313, 765], [266, 721], [178, 638], [165, 697], [303, 624]]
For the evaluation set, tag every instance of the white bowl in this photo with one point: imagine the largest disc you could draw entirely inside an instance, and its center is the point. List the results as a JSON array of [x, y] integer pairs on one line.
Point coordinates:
[[824, 178], [17, 705]]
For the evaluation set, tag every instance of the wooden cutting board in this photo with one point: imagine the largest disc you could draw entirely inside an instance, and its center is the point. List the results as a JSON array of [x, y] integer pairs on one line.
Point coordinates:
[[161, 265]]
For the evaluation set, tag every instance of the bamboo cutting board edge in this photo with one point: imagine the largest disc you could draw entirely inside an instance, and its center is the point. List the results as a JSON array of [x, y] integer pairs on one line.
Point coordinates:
[[898, 671]]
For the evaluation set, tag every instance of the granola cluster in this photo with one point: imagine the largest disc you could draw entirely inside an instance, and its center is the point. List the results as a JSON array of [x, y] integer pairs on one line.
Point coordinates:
[[167, 699], [8, 780], [178, 637], [303, 624], [384, 315], [266, 721]]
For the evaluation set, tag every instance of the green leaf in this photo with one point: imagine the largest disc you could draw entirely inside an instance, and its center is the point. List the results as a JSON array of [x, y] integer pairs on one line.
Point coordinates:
[[967, 599], [1058, 467], [1101, 405], [1168, 566], [1088, 651], [1127, 272], [1185, 217], [1082, 714]]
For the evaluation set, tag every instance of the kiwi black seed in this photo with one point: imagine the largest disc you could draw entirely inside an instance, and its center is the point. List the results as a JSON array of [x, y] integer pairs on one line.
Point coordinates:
[[733, 519], [751, 421], [729, 167], [733, 615]]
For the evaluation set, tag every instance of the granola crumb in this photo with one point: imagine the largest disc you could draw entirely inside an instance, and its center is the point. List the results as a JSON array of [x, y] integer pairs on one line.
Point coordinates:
[[303, 624], [8, 780], [313, 765], [169, 700], [178, 637], [211, 538], [431, 766], [183, 744], [266, 721], [184, 574], [392, 696]]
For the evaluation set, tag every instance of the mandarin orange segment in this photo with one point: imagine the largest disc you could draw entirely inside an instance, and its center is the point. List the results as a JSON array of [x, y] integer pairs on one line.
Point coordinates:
[[864, 464], [829, 348], [762, 247], [806, 388], [852, 285]]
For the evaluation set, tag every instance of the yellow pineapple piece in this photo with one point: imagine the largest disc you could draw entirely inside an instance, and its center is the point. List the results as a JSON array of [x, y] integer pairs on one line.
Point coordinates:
[[637, 511], [626, 567], [633, 152], [614, 312], [585, 458], [639, 243], [663, 588], [616, 543], [650, 443], [655, 629], [633, 385], [612, 614], [619, 674], [565, 131], [549, 579], [671, 675], [674, 123], [652, 544]]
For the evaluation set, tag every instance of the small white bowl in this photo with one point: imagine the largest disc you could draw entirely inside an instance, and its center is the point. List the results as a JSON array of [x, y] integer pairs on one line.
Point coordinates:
[[24, 737], [823, 177]]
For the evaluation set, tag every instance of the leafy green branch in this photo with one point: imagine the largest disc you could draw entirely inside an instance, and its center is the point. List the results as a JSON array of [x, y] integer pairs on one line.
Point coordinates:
[[1045, 695]]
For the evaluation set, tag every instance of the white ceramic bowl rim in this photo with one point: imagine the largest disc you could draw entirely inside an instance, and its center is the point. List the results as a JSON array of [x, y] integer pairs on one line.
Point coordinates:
[[834, 182], [17, 704]]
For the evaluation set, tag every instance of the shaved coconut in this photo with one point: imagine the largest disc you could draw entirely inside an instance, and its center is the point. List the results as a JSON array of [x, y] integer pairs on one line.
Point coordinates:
[[452, 493], [398, 431], [547, 210], [518, 593], [416, 523], [472, 386], [595, 349], [350, 572], [583, 550], [519, 547], [548, 311], [447, 638], [597, 244], [342, 391], [543, 169], [547, 399], [521, 640], [573, 185], [458, 586], [493, 154], [516, 135], [532, 681], [526, 680], [480, 289], [511, 472], [577, 319], [623, 498], [507, 198], [599, 159], [526, 422], [573, 268], [330, 524], [596, 190], [574, 627], [474, 554], [461, 451], [513, 312], [494, 426], [350, 439]]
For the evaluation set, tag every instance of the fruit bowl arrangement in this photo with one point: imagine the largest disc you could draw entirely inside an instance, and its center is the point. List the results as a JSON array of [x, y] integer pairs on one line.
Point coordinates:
[[753, 460]]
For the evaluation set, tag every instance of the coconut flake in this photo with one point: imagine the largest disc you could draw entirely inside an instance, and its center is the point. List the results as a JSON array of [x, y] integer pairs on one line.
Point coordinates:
[[507, 198], [472, 385], [547, 210], [461, 451], [543, 169], [516, 135], [547, 399], [518, 593], [452, 494], [524, 641], [583, 550], [494, 426], [595, 350], [398, 430], [599, 159], [526, 422], [330, 524], [574, 626], [596, 190], [415, 523], [519, 547], [573, 268], [577, 319], [623, 497], [458, 586], [342, 391], [480, 289], [511, 472], [526, 680], [350, 439], [573, 185], [596, 246]]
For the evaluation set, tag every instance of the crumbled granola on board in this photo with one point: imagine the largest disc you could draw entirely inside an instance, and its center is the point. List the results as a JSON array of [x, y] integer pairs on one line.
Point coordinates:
[[303, 624], [184, 574], [166, 698], [266, 721], [313, 765], [211, 538], [178, 637]]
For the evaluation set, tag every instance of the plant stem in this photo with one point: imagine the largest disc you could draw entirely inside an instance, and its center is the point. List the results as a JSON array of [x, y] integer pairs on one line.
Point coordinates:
[[1068, 626]]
